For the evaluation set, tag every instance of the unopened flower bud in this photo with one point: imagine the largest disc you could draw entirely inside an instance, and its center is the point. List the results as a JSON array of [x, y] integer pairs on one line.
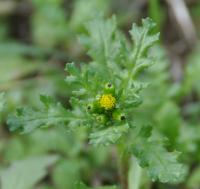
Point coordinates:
[[109, 88], [118, 115]]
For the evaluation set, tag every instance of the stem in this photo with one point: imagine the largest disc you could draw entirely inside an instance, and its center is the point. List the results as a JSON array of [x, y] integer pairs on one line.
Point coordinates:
[[123, 164], [134, 175]]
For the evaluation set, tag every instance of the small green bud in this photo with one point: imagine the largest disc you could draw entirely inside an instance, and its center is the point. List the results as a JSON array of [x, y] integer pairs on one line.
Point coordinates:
[[90, 108], [94, 107], [118, 115], [101, 119], [122, 117], [109, 88]]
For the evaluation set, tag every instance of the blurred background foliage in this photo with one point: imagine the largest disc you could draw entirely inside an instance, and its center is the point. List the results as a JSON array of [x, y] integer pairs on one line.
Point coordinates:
[[38, 37]]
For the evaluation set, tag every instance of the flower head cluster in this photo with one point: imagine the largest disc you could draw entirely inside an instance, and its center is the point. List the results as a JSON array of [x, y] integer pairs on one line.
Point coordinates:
[[105, 107], [107, 101]]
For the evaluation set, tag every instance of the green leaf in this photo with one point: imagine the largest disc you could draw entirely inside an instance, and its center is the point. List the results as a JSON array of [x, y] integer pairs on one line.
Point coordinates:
[[142, 37], [81, 186], [108, 136], [152, 155], [79, 80], [26, 173], [66, 174], [100, 36], [49, 25], [27, 119], [192, 74], [157, 12], [86, 10], [107, 46], [169, 119], [73, 71]]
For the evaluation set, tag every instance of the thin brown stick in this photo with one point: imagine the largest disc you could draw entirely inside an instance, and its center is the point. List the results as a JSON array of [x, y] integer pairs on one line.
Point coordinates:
[[7, 7], [183, 19], [11, 7]]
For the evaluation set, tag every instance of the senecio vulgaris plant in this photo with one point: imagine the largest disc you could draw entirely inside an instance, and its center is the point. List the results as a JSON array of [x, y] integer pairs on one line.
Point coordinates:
[[103, 96]]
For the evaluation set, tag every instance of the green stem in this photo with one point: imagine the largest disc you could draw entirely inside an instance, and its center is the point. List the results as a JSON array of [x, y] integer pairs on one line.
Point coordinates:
[[134, 175]]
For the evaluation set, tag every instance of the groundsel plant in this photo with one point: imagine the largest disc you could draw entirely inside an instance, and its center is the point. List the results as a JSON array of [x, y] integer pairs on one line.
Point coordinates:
[[104, 94]]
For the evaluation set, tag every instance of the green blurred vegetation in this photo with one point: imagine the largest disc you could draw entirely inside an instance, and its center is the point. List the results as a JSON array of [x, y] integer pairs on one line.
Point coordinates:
[[37, 38]]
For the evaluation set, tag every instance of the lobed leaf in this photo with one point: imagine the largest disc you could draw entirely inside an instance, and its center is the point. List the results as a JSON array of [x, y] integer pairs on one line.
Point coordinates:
[[142, 38], [27, 119], [106, 45], [108, 136], [153, 156]]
